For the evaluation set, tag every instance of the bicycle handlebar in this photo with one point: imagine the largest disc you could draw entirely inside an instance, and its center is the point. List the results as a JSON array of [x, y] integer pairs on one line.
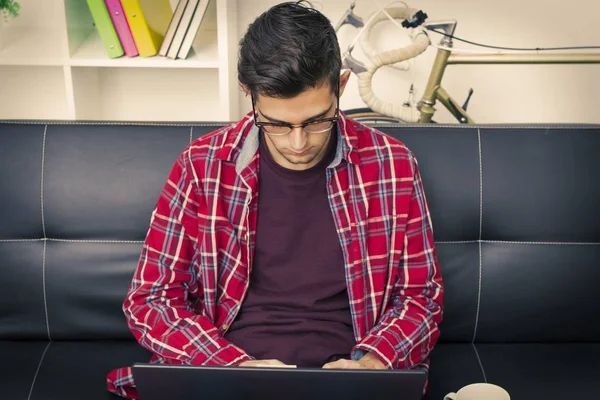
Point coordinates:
[[365, 37], [365, 79]]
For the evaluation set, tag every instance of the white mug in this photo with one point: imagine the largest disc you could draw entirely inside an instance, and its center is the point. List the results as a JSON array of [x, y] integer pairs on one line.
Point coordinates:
[[479, 391]]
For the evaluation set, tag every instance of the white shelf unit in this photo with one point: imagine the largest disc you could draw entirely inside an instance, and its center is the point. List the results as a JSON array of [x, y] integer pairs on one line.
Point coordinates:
[[54, 66]]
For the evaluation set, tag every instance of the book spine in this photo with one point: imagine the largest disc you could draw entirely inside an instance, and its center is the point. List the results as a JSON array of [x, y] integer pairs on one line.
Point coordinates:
[[105, 28], [173, 26], [183, 28], [191, 33], [117, 15], [139, 27]]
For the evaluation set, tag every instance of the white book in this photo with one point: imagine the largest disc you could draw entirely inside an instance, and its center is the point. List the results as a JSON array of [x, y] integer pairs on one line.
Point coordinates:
[[173, 25], [182, 28], [192, 31]]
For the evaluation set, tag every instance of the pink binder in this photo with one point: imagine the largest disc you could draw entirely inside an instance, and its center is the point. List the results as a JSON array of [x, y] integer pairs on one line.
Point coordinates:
[[119, 20]]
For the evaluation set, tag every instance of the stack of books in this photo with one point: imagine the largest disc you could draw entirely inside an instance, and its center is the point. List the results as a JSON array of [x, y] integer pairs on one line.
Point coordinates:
[[147, 27]]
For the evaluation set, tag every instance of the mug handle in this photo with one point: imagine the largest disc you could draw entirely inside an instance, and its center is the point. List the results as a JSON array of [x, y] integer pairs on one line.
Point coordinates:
[[450, 396]]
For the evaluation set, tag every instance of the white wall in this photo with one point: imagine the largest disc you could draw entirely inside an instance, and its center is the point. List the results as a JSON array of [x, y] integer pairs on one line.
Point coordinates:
[[503, 93]]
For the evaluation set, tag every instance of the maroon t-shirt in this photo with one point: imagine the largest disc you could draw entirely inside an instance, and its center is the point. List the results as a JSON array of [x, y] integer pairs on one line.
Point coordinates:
[[297, 308]]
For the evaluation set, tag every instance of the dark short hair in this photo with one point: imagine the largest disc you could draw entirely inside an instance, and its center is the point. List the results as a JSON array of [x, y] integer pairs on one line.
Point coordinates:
[[289, 48]]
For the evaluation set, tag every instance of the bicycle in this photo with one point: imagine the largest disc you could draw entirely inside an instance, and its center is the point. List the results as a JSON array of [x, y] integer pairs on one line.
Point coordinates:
[[379, 111]]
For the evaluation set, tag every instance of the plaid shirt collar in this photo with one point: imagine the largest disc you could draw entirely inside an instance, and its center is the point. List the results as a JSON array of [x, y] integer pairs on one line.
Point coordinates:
[[240, 143]]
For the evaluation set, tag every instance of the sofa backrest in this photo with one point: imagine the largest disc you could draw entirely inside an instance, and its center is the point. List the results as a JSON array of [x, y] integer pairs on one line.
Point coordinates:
[[515, 209]]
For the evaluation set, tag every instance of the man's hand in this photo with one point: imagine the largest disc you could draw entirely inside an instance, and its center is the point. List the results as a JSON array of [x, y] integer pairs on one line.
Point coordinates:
[[369, 361], [266, 363]]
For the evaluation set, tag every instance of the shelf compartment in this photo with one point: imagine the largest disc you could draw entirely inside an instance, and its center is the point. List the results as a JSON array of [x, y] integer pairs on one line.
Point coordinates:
[[35, 92], [91, 53], [87, 50], [146, 94], [35, 37]]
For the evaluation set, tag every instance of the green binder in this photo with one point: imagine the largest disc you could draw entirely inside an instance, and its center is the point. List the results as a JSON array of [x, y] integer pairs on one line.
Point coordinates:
[[105, 28]]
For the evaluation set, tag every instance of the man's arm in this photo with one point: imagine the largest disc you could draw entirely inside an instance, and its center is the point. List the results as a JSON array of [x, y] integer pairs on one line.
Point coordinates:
[[407, 331], [155, 307]]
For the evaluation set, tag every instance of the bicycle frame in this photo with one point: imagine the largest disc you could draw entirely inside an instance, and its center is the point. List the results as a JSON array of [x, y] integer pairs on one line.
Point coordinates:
[[434, 91]]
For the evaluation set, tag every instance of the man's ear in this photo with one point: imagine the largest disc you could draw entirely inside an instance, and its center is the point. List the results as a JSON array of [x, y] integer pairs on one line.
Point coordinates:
[[344, 77]]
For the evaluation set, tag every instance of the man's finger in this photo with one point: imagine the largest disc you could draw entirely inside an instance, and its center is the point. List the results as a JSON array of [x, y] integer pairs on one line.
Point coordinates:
[[334, 364], [273, 363]]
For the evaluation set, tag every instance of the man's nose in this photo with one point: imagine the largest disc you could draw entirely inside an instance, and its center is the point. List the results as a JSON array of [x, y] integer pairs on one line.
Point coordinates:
[[298, 139]]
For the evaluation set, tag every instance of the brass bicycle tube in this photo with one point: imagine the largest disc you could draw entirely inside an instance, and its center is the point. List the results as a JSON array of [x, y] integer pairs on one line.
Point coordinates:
[[524, 58], [427, 102], [451, 105]]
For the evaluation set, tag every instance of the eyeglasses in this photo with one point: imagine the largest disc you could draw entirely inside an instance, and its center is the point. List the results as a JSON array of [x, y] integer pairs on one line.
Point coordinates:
[[281, 129], [319, 126]]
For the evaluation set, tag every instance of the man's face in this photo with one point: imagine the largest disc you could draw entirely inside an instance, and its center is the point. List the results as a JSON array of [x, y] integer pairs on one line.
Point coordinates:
[[298, 150]]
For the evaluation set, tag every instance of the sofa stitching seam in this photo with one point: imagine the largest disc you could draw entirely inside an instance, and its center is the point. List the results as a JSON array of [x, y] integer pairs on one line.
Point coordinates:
[[437, 242], [480, 363], [518, 242], [37, 371], [110, 123], [44, 233], [480, 234], [219, 123], [70, 240]]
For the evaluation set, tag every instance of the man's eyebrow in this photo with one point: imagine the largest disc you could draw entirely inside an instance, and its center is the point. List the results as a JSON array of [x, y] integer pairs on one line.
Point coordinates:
[[314, 117]]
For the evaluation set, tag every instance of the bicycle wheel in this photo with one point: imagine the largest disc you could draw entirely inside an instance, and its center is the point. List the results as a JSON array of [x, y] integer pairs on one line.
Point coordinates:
[[367, 116]]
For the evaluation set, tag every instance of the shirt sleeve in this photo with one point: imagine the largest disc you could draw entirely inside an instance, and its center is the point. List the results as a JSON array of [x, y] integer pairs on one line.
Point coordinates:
[[409, 328], [156, 306]]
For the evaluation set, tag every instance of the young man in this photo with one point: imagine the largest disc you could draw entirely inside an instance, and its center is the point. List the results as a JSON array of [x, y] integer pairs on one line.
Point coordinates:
[[295, 236]]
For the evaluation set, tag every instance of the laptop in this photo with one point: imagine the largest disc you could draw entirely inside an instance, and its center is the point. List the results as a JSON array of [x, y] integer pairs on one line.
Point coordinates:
[[175, 382]]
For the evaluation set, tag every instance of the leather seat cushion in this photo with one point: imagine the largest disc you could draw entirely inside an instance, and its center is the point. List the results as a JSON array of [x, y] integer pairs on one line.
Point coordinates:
[[527, 371], [75, 370]]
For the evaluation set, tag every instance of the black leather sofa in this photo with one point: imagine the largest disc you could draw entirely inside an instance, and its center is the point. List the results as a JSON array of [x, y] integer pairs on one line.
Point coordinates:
[[516, 214]]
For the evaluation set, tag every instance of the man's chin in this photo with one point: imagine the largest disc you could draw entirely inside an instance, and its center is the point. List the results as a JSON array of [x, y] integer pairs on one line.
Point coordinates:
[[304, 159]]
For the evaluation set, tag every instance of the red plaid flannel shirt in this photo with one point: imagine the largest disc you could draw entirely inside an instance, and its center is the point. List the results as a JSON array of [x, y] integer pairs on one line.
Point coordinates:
[[194, 268]]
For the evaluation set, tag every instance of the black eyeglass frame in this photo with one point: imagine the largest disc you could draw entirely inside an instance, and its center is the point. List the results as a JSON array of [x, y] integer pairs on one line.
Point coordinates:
[[303, 125]]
